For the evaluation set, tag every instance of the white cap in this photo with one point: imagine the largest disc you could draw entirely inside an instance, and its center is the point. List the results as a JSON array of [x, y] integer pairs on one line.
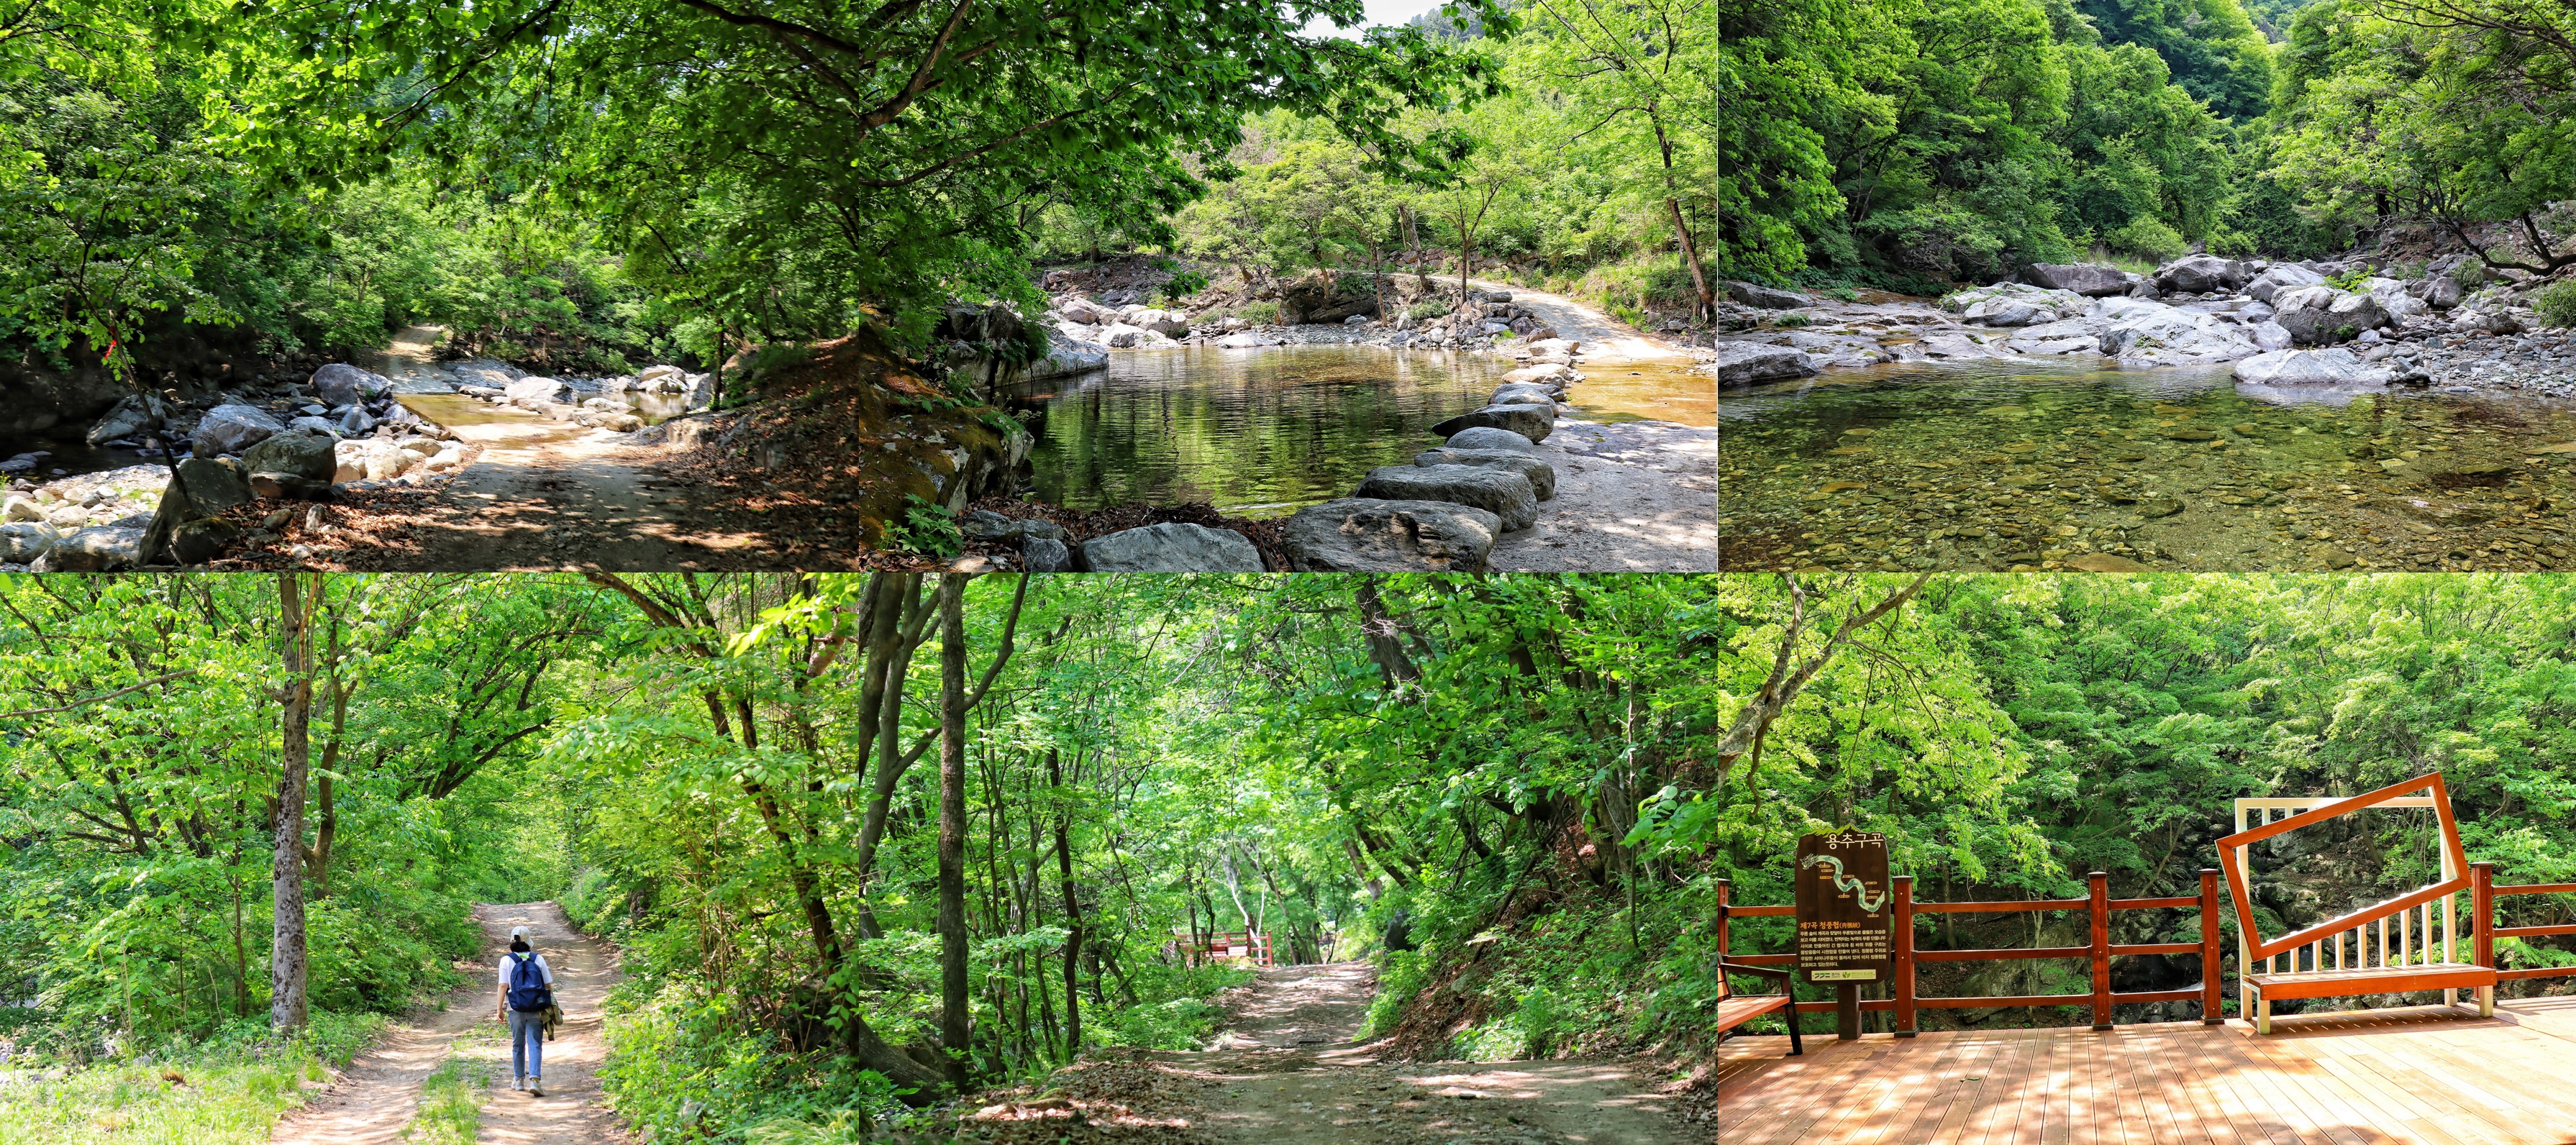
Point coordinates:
[[518, 932]]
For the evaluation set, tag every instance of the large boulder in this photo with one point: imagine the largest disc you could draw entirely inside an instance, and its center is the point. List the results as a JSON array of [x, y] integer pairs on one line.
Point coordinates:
[[1168, 323], [1086, 312], [2270, 335], [214, 484], [340, 384], [2013, 304], [1483, 437], [99, 548], [1503, 493], [1245, 340], [2439, 291], [1172, 547], [2394, 299], [24, 541], [300, 452], [1532, 420], [1066, 359], [2324, 316], [2285, 276], [131, 415], [1762, 297], [1121, 336], [1541, 475], [1358, 534], [2152, 334], [1743, 363], [535, 393], [2083, 278], [1319, 297], [2336, 367], [2201, 274], [231, 428]]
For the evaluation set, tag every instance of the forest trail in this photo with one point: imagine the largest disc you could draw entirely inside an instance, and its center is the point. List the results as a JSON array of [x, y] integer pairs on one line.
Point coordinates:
[[374, 1099], [1605, 339], [1289, 1072]]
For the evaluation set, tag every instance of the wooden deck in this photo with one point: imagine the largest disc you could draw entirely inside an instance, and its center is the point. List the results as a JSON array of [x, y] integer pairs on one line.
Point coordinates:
[[2414, 1074]]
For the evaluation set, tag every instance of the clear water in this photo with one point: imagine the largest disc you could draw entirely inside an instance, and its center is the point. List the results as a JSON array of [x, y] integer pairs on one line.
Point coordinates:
[[2005, 465], [1255, 433]]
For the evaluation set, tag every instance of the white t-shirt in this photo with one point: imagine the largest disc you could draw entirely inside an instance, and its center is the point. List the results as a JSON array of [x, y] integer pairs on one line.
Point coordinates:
[[543, 971]]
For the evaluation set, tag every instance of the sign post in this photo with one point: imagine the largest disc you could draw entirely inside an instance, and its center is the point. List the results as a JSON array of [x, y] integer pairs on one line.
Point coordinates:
[[1843, 933]]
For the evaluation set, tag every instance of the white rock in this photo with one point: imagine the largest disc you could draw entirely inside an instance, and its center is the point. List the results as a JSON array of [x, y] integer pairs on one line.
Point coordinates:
[[2334, 367], [231, 429]]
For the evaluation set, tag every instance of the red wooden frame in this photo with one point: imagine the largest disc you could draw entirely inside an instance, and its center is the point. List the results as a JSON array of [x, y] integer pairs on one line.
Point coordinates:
[[2235, 866]]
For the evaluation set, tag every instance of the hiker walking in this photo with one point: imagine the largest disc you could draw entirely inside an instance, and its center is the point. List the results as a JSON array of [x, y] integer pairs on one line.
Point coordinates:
[[525, 997]]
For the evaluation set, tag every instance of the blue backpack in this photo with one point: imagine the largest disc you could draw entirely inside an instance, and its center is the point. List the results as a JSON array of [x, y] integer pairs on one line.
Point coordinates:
[[528, 989]]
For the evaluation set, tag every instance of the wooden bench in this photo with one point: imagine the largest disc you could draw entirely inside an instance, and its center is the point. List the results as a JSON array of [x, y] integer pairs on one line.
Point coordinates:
[[2426, 940], [2368, 980], [1736, 1009]]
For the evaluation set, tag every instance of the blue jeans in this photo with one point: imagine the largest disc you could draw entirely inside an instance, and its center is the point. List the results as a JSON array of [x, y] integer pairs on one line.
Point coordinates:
[[527, 1043]]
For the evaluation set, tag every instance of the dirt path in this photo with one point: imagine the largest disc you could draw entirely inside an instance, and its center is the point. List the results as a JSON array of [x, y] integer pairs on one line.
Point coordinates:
[[371, 1102], [1605, 339], [1289, 1073]]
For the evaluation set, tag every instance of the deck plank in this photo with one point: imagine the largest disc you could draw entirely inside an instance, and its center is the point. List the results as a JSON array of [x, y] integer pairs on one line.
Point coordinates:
[[2422, 1074]]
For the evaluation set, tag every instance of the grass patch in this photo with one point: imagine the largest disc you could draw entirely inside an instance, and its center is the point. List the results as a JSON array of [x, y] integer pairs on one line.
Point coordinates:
[[451, 1104], [228, 1091]]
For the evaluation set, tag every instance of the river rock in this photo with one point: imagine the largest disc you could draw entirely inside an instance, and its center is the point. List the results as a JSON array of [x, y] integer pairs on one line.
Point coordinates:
[[2153, 334], [1513, 395], [1762, 297], [97, 549], [1503, 493], [1541, 475], [1532, 420], [356, 422], [2394, 299], [2280, 277], [1122, 336], [2439, 291], [1245, 340], [2201, 274], [214, 484], [1357, 534], [2335, 367], [2010, 312], [1168, 323], [232, 428], [1045, 555], [131, 415], [342, 384], [24, 541], [196, 542], [1481, 437], [302, 452], [1987, 303], [1065, 359], [2084, 278], [2323, 315], [1545, 374], [2269, 335], [1743, 363], [317, 425], [535, 393], [1172, 546], [1086, 312]]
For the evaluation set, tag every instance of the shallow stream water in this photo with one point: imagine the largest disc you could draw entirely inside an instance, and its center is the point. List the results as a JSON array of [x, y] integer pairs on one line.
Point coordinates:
[[1262, 433], [2005, 465]]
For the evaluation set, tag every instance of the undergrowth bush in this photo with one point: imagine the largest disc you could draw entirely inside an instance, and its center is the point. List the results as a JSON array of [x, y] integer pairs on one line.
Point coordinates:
[[2556, 303], [225, 1090], [1259, 313]]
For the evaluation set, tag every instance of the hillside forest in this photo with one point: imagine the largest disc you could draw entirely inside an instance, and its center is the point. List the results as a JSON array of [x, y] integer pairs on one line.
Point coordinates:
[[869, 844], [597, 185], [2012, 733], [1907, 144]]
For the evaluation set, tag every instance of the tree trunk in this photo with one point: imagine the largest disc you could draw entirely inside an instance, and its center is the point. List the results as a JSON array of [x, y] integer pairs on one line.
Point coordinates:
[[954, 1014], [1072, 911], [296, 598]]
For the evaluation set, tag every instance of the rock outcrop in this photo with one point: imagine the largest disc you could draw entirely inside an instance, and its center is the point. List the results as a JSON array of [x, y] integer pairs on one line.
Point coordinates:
[[1358, 534]]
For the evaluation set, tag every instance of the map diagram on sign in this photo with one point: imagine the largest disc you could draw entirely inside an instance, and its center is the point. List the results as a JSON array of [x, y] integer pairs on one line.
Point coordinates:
[[1846, 884]]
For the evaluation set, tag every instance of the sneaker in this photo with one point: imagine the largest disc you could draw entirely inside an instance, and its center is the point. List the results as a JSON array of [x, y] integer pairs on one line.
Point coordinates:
[[519, 1083], [536, 1088]]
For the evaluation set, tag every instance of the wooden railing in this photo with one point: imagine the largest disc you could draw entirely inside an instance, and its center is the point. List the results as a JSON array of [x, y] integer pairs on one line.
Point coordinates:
[[2101, 950]]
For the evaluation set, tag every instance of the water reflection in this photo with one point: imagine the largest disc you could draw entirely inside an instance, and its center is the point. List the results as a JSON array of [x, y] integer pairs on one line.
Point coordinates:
[[2006, 465], [1253, 432]]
